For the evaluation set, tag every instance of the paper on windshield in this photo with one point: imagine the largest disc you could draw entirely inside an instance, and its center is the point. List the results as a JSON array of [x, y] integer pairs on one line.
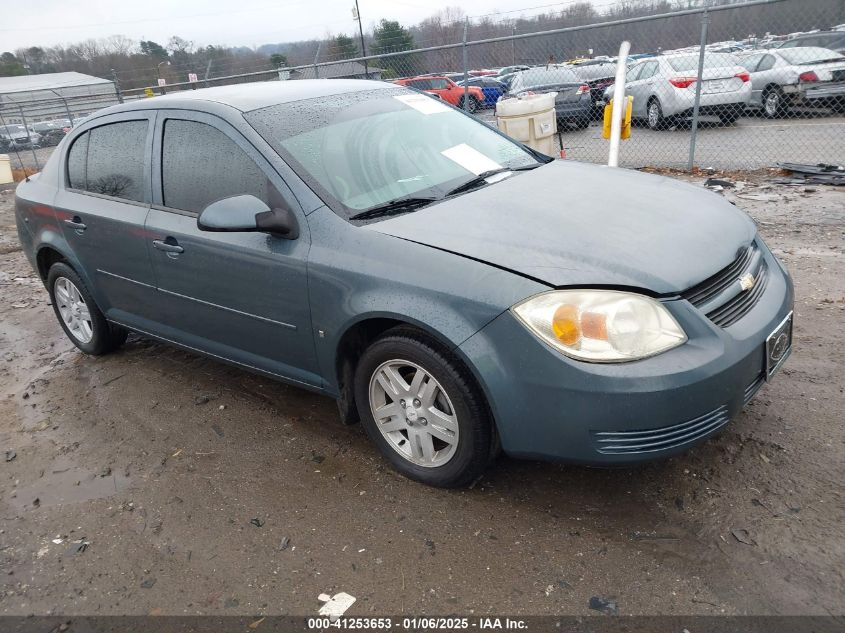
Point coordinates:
[[421, 103], [470, 159]]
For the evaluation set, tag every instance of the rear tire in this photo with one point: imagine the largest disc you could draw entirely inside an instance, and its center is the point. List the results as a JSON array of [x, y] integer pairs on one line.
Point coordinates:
[[655, 115], [78, 314], [774, 103], [433, 423]]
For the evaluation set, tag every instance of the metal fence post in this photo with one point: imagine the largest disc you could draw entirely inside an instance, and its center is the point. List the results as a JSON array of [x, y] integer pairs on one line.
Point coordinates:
[[29, 136], [705, 19], [207, 73], [466, 68], [513, 45], [316, 57], [117, 91]]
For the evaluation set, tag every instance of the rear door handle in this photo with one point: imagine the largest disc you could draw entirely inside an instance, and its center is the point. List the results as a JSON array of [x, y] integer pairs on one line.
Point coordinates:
[[76, 224], [168, 245]]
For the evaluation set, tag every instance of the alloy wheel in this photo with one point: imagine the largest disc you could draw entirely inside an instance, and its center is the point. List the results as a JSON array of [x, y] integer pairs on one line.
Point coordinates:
[[772, 105], [653, 115], [73, 310], [413, 413]]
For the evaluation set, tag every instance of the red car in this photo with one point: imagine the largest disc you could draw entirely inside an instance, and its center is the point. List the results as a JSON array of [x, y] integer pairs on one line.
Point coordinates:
[[446, 89]]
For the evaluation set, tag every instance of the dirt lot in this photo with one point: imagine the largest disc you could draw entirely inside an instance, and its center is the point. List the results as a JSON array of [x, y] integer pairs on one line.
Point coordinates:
[[156, 481]]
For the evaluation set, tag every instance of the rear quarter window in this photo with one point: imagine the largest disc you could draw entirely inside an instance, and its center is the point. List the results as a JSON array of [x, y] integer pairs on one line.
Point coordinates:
[[109, 160]]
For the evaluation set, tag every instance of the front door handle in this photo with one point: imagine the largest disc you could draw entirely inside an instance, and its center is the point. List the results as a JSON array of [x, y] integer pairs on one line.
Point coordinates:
[[168, 245], [76, 224]]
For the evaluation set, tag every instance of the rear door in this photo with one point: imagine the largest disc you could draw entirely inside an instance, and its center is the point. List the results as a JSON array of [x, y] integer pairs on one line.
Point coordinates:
[[241, 296], [639, 86], [102, 206]]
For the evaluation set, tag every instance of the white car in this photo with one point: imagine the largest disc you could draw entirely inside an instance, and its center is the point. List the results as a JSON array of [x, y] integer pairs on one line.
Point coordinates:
[[664, 87], [799, 76]]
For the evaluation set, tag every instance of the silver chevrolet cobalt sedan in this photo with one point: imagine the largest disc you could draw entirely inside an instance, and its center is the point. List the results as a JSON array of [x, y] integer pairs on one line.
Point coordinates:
[[455, 291]]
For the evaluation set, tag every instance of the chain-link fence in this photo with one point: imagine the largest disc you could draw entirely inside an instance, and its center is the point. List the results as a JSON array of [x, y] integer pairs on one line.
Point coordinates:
[[732, 85]]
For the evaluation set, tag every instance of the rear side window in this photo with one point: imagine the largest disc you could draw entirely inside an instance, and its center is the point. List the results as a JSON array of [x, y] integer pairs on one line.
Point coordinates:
[[115, 165], [200, 164], [77, 158]]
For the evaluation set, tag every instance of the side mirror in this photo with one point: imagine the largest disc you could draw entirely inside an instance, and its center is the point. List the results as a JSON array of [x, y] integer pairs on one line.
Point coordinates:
[[247, 213]]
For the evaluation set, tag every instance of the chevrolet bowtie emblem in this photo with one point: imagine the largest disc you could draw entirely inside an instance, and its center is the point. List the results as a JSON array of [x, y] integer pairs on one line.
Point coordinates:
[[747, 281]]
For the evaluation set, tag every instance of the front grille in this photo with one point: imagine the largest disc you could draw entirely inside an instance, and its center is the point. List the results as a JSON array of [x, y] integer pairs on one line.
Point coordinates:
[[663, 438], [732, 311], [721, 297], [752, 389]]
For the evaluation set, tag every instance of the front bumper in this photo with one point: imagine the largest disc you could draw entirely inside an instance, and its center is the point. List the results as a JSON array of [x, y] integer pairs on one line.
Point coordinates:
[[552, 407]]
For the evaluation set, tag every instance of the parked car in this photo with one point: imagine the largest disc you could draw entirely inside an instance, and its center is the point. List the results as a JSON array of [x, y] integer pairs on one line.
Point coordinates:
[[664, 88], [51, 138], [20, 137], [509, 70], [490, 86], [787, 77], [447, 90], [598, 75], [834, 40], [454, 290], [573, 105]]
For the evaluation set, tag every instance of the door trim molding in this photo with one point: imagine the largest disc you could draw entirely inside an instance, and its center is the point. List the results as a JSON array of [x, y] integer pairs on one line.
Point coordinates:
[[289, 326]]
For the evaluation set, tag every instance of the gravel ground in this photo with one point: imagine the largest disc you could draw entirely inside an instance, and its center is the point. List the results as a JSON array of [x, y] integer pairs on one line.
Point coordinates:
[[157, 481]]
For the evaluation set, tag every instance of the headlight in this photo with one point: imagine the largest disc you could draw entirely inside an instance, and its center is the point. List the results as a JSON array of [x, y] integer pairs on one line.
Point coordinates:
[[601, 326]]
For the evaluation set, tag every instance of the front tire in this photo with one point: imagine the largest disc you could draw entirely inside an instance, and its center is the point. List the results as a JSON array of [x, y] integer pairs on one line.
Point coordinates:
[[78, 314], [420, 406], [473, 104], [729, 117]]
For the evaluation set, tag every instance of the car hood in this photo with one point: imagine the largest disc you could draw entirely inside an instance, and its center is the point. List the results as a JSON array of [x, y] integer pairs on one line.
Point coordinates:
[[569, 223]]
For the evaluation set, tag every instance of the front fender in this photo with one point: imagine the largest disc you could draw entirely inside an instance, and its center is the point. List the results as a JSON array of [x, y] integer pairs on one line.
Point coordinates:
[[356, 274]]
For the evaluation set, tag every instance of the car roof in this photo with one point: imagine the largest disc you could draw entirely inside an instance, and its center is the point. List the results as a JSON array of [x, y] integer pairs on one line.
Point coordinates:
[[251, 96]]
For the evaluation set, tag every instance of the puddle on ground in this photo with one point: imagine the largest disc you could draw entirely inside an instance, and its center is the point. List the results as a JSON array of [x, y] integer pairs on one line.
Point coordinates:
[[65, 483]]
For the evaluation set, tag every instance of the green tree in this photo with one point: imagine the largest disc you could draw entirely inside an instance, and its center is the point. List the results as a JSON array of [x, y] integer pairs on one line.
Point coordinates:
[[278, 60], [343, 47], [10, 66], [391, 37], [153, 49]]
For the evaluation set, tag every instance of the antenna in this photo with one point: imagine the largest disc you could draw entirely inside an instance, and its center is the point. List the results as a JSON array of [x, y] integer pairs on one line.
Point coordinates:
[[17, 153]]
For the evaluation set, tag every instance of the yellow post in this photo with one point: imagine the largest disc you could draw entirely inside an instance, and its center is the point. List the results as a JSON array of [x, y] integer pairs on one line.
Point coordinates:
[[626, 120]]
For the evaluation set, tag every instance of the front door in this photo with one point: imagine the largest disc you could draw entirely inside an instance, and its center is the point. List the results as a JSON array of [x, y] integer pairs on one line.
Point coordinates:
[[102, 204], [241, 296]]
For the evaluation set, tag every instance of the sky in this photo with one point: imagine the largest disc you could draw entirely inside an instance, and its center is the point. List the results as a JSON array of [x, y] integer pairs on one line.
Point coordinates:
[[228, 22]]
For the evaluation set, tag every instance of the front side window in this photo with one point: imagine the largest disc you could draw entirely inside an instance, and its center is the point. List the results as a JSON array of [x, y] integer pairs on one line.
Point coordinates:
[[109, 160], [439, 84], [366, 148], [200, 164], [420, 84], [767, 63]]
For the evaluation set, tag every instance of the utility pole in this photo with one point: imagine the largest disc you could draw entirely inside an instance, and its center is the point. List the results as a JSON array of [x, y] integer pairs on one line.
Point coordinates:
[[357, 15]]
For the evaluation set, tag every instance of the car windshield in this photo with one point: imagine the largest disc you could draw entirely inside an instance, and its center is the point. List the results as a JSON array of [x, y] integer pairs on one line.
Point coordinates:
[[809, 55], [711, 60], [368, 148]]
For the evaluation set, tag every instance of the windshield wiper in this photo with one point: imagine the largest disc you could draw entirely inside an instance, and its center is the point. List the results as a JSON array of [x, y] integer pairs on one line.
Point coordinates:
[[481, 178], [394, 207]]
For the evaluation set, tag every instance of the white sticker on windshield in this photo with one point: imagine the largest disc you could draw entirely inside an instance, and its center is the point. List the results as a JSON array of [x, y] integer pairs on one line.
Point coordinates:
[[470, 159], [422, 103]]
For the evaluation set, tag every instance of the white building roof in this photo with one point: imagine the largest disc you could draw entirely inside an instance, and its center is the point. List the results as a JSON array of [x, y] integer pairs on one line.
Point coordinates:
[[47, 81]]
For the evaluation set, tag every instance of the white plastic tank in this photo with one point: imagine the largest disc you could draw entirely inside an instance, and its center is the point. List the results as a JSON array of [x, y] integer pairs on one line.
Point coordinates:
[[5, 169], [530, 119]]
